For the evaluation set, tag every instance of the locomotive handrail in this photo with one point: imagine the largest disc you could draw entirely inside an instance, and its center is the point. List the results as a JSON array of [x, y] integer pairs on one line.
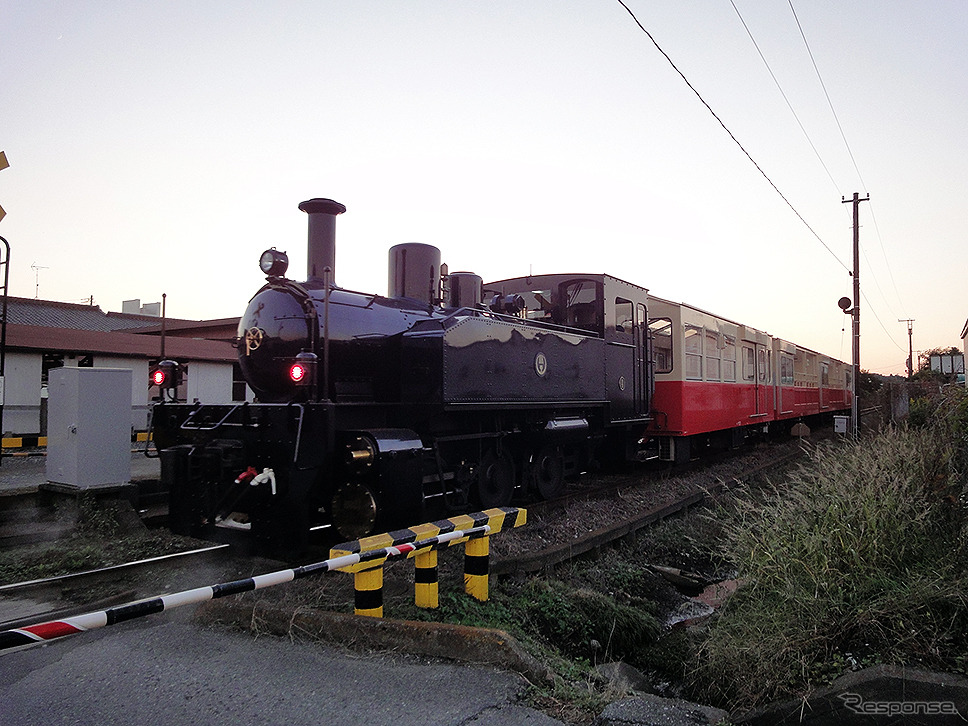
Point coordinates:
[[504, 317], [185, 424]]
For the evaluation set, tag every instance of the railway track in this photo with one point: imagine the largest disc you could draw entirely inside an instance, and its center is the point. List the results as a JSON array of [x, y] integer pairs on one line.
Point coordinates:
[[603, 510], [620, 506]]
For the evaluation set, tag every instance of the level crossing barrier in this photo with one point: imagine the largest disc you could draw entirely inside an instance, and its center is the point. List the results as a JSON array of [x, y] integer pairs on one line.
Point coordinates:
[[54, 629]]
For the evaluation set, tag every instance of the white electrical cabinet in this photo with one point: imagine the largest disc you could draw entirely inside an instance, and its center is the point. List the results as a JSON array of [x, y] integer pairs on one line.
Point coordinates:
[[89, 427]]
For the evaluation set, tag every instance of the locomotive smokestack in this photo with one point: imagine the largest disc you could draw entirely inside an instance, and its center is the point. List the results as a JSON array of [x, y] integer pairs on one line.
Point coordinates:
[[322, 237]]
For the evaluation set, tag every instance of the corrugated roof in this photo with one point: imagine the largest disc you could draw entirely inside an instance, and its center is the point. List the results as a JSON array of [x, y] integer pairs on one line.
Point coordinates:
[[67, 340], [72, 316], [46, 325]]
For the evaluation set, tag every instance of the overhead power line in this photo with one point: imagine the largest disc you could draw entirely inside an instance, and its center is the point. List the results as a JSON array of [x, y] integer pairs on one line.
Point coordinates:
[[731, 135], [782, 93], [827, 95], [850, 152]]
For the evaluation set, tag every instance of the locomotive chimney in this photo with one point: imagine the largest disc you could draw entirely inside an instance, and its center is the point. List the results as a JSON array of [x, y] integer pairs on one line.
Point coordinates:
[[322, 237]]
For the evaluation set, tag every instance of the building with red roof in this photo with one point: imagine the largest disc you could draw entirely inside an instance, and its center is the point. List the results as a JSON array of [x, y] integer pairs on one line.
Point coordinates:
[[43, 334]]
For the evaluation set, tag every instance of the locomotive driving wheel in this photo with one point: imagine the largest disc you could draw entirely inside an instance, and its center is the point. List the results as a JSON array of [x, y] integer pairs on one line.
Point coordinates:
[[495, 479], [548, 471]]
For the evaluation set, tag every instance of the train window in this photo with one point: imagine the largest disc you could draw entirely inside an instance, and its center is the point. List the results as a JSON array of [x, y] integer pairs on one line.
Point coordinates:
[[539, 305], [749, 365], [729, 358], [583, 305], [825, 374], [712, 356], [624, 316], [661, 329], [761, 365], [786, 369], [693, 348]]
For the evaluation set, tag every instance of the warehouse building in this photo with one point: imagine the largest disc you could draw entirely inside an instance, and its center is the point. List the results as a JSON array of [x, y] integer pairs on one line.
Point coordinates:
[[42, 335]]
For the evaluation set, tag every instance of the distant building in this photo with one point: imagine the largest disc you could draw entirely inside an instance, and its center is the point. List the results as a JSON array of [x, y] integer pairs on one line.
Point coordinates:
[[42, 335], [134, 307], [948, 363]]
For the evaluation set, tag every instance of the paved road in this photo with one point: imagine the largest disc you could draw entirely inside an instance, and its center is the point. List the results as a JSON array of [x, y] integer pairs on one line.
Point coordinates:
[[165, 670]]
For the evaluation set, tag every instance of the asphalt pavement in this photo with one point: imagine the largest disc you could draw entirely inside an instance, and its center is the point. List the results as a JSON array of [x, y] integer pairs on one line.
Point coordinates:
[[165, 670]]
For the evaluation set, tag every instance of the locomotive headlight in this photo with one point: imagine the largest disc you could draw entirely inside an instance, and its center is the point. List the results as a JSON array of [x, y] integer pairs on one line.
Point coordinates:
[[274, 263]]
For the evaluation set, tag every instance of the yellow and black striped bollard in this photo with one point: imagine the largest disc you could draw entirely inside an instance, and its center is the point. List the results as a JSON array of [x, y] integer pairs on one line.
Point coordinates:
[[476, 567], [425, 580], [368, 592]]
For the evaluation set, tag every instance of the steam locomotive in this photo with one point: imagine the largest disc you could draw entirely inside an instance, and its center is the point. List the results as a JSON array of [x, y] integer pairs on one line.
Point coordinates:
[[375, 413]]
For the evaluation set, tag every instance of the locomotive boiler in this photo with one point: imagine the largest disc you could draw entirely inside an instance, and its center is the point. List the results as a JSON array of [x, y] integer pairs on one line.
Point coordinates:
[[376, 412]]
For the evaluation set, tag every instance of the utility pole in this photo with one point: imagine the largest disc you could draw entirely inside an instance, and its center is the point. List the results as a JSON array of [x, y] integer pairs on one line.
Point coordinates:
[[855, 313], [910, 360]]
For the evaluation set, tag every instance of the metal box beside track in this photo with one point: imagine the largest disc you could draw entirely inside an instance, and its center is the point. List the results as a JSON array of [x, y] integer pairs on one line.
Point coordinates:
[[89, 427]]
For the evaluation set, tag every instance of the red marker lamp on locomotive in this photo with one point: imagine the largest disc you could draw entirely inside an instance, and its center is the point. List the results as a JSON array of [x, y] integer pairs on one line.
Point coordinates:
[[378, 412]]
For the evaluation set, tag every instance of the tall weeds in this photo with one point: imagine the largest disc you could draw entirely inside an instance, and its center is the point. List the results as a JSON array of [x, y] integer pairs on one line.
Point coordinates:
[[859, 558]]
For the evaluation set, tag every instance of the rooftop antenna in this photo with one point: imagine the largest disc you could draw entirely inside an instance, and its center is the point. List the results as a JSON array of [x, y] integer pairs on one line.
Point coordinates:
[[37, 268]]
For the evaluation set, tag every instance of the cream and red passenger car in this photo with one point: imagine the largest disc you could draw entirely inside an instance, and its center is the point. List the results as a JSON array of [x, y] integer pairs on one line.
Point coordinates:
[[717, 380]]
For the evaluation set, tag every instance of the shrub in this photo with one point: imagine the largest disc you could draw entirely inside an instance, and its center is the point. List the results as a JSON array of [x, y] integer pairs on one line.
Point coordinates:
[[861, 558], [572, 619]]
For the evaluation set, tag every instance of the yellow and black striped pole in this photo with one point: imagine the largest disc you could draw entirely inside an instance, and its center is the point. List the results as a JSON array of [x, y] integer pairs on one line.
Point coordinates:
[[368, 592], [476, 567], [366, 556], [425, 580]]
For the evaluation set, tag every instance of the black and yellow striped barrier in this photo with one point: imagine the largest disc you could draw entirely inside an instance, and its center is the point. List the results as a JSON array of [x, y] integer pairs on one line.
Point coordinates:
[[368, 582]]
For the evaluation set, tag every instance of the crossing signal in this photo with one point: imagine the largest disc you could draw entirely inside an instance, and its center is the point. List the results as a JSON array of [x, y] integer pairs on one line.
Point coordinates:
[[167, 375]]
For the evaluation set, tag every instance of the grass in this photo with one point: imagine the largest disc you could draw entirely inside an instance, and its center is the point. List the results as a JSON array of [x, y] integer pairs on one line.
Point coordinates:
[[592, 612], [860, 559]]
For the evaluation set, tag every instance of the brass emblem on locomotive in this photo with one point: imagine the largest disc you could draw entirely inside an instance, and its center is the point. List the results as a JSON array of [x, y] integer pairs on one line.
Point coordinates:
[[541, 365], [253, 339]]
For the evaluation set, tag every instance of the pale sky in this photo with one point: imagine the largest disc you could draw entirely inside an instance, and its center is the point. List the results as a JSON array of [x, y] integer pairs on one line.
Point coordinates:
[[161, 147]]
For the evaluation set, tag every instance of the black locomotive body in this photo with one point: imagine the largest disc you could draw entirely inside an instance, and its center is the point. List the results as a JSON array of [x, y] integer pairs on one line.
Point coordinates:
[[376, 412]]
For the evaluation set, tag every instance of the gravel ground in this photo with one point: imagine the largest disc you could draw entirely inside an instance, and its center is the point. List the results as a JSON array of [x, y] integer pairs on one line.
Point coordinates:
[[629, 494]]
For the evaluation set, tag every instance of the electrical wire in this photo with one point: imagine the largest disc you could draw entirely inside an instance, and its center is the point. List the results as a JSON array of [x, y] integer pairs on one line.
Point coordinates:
[[782, 93], [876, 317], [827, 95], [850, 152], [731, 135]]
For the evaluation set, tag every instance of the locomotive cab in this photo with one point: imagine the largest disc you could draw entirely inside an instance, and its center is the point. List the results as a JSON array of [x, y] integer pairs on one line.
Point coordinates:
[[605, 307]]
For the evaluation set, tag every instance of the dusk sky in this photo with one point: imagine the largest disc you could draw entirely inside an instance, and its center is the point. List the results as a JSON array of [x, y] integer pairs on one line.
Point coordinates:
[[161, 147]]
